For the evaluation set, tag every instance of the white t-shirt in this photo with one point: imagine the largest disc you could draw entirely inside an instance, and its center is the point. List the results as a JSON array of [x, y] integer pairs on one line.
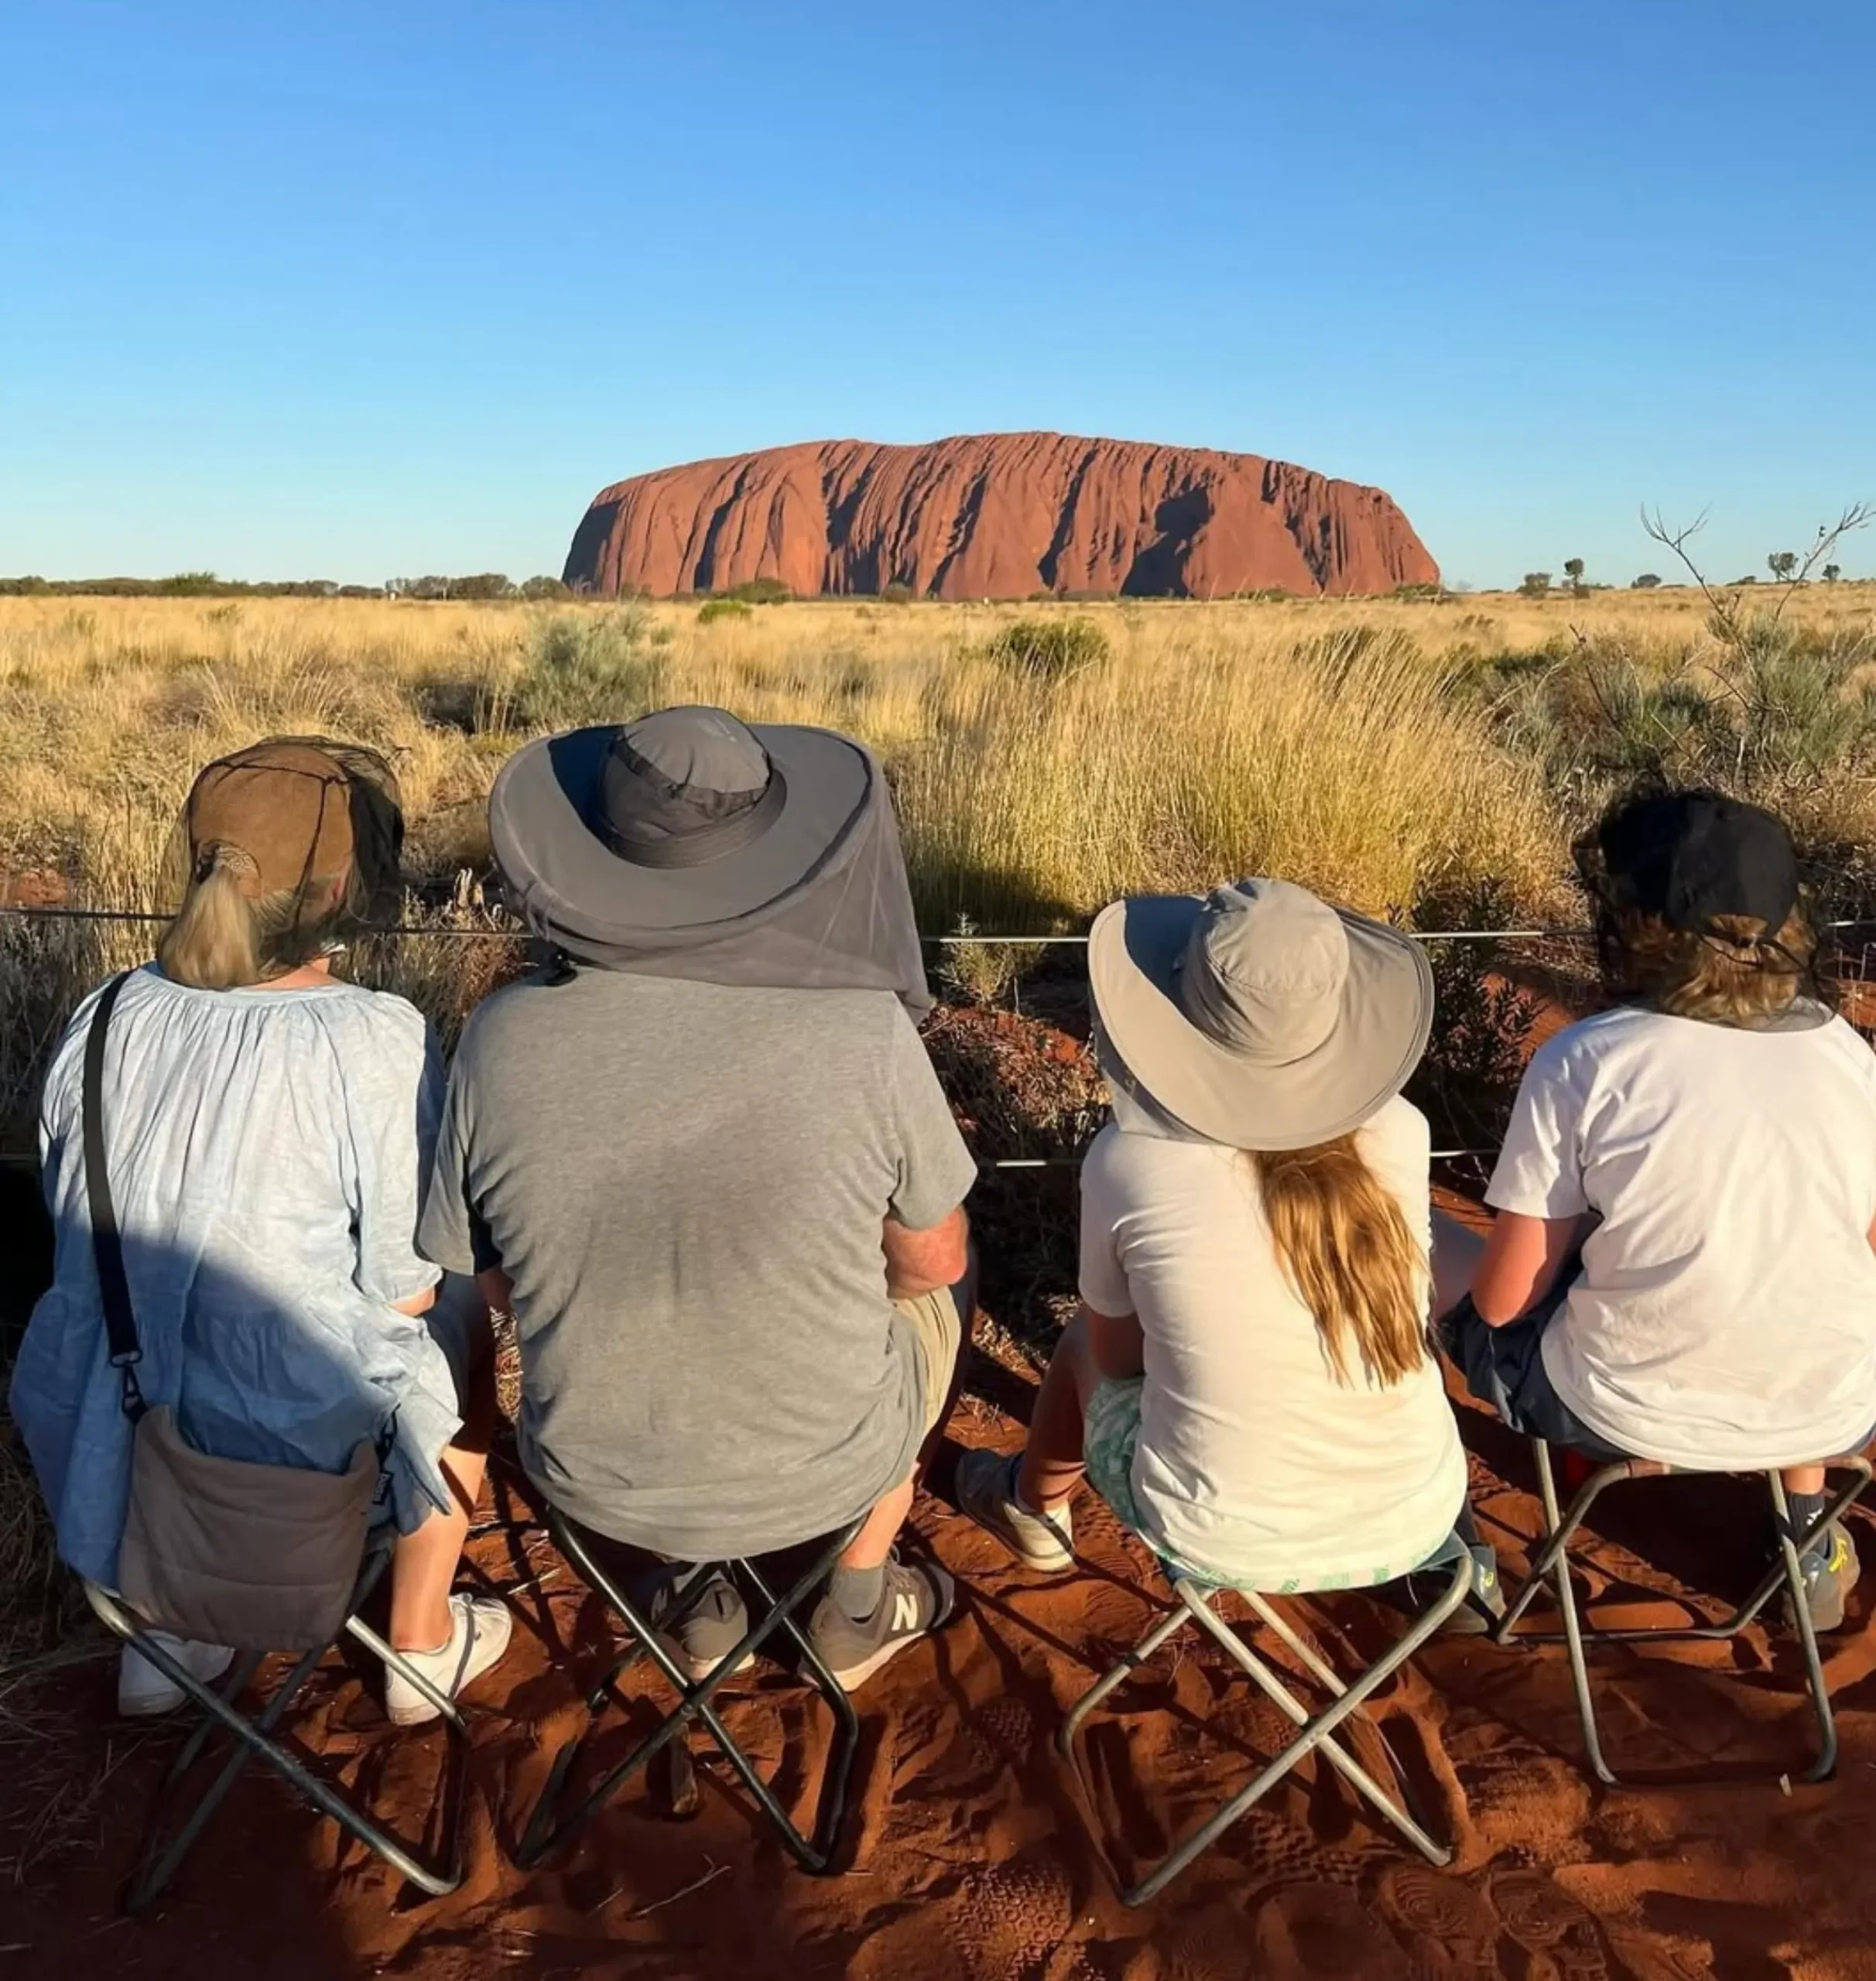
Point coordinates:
[[1725, 1316], [1254, 1461]]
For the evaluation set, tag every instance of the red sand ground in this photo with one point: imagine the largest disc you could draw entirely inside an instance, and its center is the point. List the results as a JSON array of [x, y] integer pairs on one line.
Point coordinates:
[[970, 1857]]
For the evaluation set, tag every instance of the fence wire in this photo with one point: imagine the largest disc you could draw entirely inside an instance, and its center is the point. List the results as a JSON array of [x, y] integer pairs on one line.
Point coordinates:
[[1495, 1007]]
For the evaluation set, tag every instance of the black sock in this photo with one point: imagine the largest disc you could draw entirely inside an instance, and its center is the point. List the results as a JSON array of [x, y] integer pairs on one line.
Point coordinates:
[[1806, 1509], [857, 1592]]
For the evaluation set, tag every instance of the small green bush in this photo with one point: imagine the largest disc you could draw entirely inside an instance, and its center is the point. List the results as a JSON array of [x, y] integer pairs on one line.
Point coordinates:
[[713, 609], [761, 591], [897, 594], [592, 666], [1052, 648]]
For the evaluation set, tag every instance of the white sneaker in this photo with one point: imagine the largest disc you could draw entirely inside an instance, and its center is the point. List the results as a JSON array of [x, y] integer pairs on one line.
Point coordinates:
[[479, 1627], [143, 1691], [986, 1492]]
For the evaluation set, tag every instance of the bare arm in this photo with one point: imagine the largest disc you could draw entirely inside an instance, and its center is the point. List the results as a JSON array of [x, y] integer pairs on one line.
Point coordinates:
[[1522, 1259], [1116, 1344], [923, 1261], [496, 1288], [418, 1303]]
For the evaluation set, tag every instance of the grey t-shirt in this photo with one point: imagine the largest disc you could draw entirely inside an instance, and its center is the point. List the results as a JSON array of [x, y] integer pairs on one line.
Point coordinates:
[[686, 1183]]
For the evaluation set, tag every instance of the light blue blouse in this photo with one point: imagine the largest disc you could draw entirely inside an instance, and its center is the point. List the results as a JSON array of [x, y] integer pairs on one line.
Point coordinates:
[[267, 1152]]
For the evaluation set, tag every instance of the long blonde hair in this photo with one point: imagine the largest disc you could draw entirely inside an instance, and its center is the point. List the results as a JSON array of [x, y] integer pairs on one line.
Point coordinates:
[[222, 937], [1346, 1251]]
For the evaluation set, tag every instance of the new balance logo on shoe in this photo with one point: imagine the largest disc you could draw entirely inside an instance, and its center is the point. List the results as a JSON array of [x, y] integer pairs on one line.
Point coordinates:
[[905, 1611]]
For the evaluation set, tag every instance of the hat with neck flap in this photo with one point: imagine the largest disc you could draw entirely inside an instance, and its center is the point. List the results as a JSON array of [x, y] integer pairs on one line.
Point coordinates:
[[689, 844]]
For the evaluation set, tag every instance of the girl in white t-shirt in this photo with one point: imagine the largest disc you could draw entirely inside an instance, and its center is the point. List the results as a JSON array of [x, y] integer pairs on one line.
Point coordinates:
[[1249, 1383], [1682, 1266]]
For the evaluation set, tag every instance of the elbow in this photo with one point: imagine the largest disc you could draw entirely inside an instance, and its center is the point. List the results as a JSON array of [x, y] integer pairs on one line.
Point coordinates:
[[930, 1261]]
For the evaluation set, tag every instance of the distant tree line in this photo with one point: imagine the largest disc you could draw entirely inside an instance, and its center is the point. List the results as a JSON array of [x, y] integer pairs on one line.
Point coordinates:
[[205, 584]]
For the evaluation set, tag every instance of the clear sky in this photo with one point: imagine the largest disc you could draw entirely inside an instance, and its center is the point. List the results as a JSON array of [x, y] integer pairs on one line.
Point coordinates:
[[353, 291]]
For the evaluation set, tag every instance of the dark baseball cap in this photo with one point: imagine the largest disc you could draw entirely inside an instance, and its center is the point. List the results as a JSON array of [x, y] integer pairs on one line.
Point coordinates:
[[1692, 856]]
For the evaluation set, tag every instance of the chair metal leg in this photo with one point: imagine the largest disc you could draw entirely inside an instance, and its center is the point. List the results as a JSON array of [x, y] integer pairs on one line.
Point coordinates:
[[548, 1826], [252, 1741], [1552, 1563], [1316, 1733], [1169, 1625]]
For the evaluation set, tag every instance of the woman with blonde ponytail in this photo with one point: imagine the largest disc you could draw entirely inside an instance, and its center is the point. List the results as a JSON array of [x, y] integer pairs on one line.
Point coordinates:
[[266, 1130], [1249, 1383]]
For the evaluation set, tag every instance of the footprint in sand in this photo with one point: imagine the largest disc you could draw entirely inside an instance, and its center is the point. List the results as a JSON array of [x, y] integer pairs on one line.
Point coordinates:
[[1313, 1932], [1544, 1919], [1450, 1928]]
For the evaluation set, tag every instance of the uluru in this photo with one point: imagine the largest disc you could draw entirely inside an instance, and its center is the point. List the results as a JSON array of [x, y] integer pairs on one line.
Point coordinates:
[[996, 515]]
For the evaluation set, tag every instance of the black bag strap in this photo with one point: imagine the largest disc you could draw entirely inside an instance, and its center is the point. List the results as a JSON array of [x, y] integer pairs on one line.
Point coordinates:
[[107, 1240]]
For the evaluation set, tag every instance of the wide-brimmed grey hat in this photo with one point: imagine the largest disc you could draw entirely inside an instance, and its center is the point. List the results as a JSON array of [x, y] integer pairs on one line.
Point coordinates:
[[690, 843], [1258, 1016]]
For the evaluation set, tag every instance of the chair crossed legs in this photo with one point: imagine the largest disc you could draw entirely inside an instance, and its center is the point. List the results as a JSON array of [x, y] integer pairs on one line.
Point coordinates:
[[254, 1740], [550, 1825], [1317, 1732], [1552, 1565]]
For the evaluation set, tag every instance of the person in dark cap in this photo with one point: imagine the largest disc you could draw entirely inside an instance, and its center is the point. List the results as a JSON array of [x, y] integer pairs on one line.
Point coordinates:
[[1682, 1266], [703, 1159]]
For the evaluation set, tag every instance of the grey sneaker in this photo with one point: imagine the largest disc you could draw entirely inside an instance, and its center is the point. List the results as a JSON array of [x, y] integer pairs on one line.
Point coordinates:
[[915, 1600], [715, 1627], [1830, 1570], [987, 1491]]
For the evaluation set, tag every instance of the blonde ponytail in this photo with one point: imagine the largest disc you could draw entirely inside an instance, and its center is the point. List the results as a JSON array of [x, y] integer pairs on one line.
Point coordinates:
[[1348, 1254], [215, 943]]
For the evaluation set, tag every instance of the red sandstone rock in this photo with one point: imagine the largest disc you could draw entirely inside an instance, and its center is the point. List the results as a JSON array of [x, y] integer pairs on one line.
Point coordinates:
[[997, 515]]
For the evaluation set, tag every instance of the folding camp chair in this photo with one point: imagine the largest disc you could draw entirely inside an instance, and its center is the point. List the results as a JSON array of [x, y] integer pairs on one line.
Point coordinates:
[[549, 1824], [1552, 1564], [1194, 1606], [254, 1740]]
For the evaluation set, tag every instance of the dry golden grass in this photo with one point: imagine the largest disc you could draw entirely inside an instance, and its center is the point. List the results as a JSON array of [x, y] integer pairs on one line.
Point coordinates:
[[1325, 740], [1223, 734]]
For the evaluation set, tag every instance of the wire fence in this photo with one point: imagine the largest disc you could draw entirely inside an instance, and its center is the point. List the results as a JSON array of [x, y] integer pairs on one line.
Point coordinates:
[[515, 932], [495, 928]]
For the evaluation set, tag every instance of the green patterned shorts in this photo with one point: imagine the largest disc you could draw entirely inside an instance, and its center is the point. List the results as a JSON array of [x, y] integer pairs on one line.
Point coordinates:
[[1109, 1436]]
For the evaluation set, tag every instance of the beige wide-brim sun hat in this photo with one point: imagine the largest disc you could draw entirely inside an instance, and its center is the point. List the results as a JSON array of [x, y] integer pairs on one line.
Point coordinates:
[[1258, 1016]]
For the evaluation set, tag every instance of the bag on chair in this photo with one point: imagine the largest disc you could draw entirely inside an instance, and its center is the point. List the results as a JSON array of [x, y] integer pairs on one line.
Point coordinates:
[[261, 1557]]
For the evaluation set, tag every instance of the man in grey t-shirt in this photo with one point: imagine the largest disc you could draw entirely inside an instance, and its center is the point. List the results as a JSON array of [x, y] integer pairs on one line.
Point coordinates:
[[727, 1217]]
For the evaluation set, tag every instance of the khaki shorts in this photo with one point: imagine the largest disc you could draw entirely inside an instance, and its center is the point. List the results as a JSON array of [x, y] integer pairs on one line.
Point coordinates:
[[937, 1324]]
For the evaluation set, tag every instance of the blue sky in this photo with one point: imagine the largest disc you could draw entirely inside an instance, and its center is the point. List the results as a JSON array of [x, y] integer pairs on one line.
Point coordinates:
[[355, 291]]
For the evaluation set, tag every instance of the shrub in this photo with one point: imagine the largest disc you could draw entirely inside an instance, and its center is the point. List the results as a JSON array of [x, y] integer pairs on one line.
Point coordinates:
[[897, 594], [592, 666], [1783, 714], [1536, 584], [1646, 582], [1052, 648], [761, 591], [714, 609]]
